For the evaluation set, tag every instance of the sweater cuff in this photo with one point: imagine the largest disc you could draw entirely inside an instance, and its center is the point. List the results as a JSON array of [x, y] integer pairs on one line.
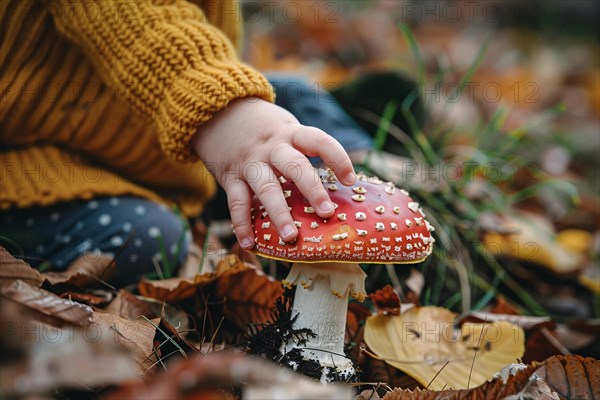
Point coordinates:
[[197, 94]]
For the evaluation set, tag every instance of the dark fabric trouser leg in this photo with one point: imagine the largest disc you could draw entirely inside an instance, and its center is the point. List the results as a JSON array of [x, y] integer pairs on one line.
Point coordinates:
[[312, 105], [60, 233]]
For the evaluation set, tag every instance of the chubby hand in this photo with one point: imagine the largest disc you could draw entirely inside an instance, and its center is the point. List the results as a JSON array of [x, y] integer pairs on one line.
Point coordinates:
[[252, 142]]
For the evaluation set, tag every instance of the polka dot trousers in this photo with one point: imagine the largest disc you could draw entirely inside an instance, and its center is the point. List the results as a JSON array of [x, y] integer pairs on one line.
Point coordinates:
[[60, 233]]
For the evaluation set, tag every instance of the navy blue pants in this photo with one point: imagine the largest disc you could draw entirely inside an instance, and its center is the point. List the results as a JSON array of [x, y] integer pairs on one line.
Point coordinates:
[[60, 233], [312, 105]]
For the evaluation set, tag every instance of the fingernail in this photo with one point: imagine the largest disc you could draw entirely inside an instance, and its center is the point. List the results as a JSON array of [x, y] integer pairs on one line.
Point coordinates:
[[246, 243], [350, 178], [288, 230], [326, 207]]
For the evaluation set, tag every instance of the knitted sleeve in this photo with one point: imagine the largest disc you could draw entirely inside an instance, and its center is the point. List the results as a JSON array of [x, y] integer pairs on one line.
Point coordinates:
[[164, 58]]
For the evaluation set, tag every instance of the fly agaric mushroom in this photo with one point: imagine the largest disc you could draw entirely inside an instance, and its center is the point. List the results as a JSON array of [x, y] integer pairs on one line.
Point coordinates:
[[374, 222]]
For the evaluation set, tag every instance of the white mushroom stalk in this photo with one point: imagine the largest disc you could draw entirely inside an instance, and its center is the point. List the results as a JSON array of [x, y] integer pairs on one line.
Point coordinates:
[[321, 304]]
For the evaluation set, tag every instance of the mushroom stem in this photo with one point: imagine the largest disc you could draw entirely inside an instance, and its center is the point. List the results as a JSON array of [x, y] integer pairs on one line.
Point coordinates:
[[321, 304]]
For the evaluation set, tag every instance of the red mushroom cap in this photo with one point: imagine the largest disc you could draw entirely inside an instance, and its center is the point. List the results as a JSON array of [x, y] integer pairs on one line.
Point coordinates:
[[374, 222]]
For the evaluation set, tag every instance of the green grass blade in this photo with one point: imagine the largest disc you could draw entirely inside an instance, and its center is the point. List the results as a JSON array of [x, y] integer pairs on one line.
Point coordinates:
[[468, 75], [555, 184], [416, 52], [384, 125], [166, 263], [204, 250]]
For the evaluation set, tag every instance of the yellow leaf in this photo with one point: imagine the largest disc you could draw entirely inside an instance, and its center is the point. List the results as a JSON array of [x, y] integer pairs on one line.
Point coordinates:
[[575, 239], [424, 342], [532, 240]]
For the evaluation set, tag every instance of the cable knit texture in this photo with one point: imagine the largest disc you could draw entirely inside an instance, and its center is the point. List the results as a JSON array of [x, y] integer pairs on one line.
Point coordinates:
[[103, 97]]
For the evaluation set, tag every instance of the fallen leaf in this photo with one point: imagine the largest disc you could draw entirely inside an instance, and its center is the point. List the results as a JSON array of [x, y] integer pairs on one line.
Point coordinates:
[[87, 270], [172, 289], [375, 370], [524, 321], [86, 298], [386, 301], [70, 358], [415, 282], [590, 277], [128, 306], [537, 389], [168, 341], [498, 388], [575, 239], [207, 377], [533, 240], [572, 377], [48, 307], [424, 343], [579, 334], [368, 394], [357, 314], [559, 377], [249, 294], [12, 269], [541, 338], [137, 336], [502, 306]]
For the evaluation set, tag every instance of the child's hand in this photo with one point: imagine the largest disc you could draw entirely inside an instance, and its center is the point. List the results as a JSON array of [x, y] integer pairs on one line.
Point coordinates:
[[252, 142]]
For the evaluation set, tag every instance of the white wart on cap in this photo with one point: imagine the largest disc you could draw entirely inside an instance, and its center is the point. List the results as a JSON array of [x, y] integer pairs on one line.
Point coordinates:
[[373, 223]]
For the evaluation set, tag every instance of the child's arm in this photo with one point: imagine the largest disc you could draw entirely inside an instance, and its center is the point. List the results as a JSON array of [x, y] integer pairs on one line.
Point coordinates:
[[249, 144], [164, 58]]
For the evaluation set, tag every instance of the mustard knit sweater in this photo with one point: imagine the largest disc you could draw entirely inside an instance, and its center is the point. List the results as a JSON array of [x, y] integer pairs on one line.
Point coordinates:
[[102, 97]]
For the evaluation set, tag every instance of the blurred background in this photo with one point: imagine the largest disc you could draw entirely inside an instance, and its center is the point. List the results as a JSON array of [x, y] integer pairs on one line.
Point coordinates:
[[488, 112]]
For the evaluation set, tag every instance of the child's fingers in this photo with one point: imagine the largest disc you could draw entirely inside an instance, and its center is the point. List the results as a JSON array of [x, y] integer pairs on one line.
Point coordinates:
[[239, 202], [263, 182], [295, 166], [314, 142]]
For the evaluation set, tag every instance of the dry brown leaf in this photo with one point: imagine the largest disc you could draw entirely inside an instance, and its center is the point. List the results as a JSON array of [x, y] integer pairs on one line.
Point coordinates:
[[502, 306], [357, 314], [87, 298], [203, 377], [537, 389], [533, 240], [415, 282], [579, 334], [87, 270], [572, 377], [48, 307], [137, 336], [169, 341], [424, 343], [559, 377], [493, 390], [128, 306], [249, 294], [69, 358], [368, 394], [174, 289], [386, 301], [12, 269]]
